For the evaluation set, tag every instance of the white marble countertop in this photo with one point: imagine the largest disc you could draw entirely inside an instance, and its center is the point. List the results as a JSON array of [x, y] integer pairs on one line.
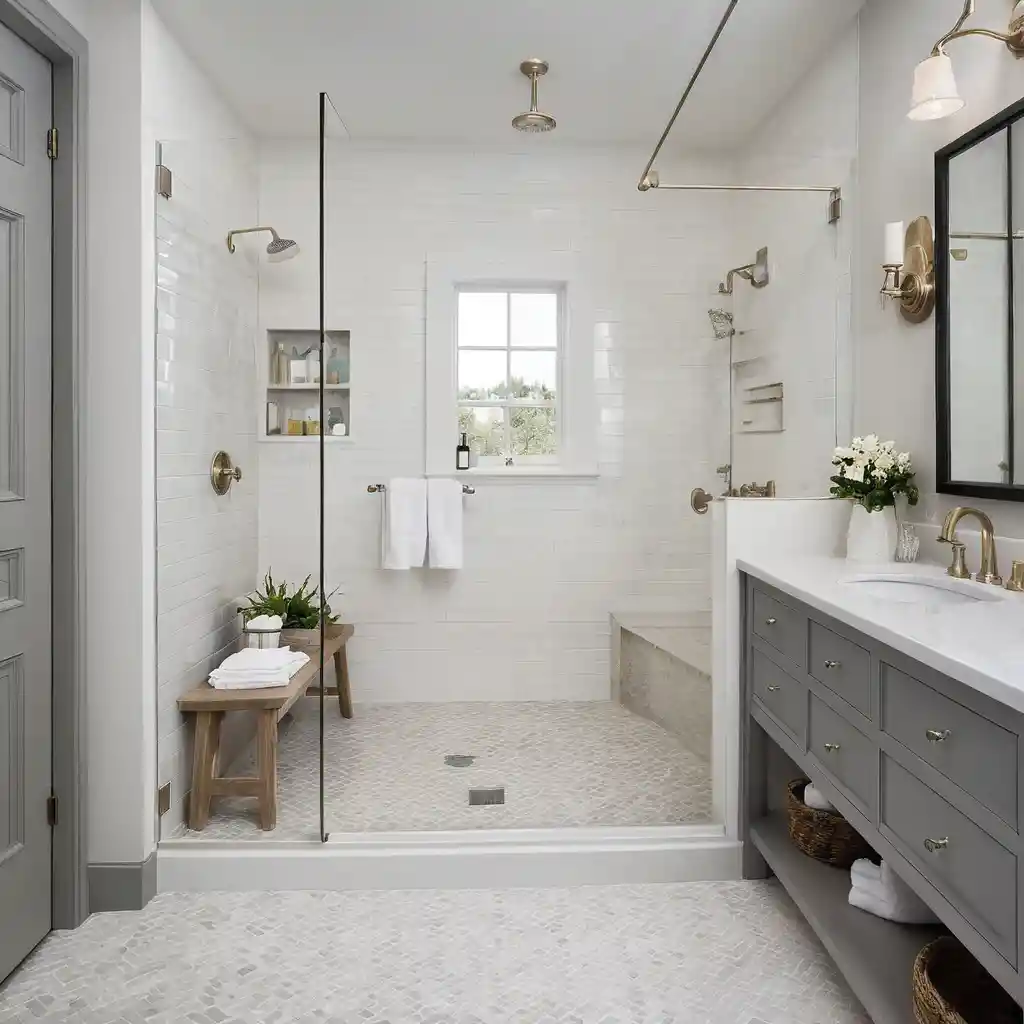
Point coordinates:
[[980, 644]]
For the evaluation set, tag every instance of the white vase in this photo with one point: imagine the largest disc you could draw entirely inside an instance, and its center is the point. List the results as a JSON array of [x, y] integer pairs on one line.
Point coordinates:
[[872, 535]]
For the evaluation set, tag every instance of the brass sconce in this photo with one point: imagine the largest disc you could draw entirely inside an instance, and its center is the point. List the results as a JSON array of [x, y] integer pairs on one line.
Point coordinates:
[[935, 93], [910, 268]]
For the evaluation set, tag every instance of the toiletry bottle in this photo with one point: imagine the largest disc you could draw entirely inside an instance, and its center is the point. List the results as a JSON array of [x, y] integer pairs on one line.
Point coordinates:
[[462, 454], [281, 365]]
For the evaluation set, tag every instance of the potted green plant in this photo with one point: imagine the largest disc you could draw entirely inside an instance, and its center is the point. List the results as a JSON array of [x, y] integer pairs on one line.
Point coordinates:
[[300, 610]]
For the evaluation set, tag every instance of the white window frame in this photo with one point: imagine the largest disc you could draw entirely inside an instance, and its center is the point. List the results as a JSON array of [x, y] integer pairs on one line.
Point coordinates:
[[510, 288], [447, 275]]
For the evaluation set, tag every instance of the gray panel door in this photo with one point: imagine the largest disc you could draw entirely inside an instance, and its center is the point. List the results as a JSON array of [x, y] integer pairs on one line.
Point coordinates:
[[25, 538]]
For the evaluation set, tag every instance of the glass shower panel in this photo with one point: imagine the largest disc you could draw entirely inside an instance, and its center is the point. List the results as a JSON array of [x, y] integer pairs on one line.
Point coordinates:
[[208, 397]]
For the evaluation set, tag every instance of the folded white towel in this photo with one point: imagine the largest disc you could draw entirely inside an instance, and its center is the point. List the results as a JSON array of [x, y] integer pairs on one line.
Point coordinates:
[[248, 677], [404, 524], [250, 658], [888, 896], [814, 798], [444, 523], [865, 870]]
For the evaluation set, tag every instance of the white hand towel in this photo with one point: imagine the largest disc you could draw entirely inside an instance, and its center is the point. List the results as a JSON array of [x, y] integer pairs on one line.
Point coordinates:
[[814, 798], [252, 658], [866, 870], [888, 896], [404, 524], [245, 676], [444, 519]]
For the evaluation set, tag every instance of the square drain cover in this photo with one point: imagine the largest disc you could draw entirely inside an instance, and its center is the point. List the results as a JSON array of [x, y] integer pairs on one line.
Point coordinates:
[[483, 797]]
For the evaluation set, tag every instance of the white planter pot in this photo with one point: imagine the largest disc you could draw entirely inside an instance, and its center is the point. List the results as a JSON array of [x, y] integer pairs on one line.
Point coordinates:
[[872, 535]]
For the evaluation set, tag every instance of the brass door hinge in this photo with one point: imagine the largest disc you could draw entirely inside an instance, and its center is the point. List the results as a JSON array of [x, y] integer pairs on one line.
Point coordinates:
[[163, 798], [52, 143], [51, 810], [164, 181]]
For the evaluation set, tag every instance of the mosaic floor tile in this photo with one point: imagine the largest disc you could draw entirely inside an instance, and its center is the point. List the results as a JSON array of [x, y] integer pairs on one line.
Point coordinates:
[[705, 953], [562, 764]]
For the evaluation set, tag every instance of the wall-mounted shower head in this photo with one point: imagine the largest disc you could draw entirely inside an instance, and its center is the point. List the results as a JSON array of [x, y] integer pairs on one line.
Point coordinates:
[[721, 321], [534, 120], [756, 273], [279, 249]]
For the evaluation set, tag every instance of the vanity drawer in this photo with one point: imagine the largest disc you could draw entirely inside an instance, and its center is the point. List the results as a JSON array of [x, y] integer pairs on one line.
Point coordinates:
[[846, 754], [841, 665], [779, 694], [975, 873], [782, 627], [975, 753]]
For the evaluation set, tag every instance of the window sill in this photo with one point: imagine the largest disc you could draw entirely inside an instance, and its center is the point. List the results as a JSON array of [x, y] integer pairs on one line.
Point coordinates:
[[523, 473]]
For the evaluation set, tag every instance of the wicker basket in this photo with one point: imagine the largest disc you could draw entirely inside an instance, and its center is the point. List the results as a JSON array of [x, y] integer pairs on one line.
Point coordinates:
[[951, 987], [824, 835]]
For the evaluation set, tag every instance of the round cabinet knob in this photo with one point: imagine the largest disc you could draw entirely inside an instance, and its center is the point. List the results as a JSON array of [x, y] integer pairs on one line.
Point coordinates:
[[937, 735], [831, 747], [833, 664], [934, 845], [769, 622]]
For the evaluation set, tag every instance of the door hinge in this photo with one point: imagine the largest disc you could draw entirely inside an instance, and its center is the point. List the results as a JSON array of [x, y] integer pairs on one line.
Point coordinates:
[[164, 181], [51, 810], [52, 143]]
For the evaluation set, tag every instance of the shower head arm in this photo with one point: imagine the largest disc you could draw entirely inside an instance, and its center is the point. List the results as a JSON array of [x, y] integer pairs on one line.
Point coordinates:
[[248, 231], [746, 273]]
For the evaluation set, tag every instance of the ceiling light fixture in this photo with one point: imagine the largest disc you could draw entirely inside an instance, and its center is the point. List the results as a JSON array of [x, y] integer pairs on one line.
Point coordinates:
[[935, 93]]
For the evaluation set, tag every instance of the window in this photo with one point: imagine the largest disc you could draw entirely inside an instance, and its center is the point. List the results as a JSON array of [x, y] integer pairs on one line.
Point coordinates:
[[509, 353]]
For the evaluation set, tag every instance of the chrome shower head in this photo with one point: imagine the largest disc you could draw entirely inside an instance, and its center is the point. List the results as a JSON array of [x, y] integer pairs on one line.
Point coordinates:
[[721, 322], [278, 250], [534, 120]]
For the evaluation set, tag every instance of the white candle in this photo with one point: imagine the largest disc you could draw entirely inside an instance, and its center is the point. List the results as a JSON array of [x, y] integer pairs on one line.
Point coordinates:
[[894, 243]]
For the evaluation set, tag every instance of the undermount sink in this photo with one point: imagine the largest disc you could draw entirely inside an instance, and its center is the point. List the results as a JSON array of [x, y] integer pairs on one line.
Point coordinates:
[[925, 591]]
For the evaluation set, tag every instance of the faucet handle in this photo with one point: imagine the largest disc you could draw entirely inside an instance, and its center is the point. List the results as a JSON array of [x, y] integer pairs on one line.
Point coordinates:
[[958, 569], [1016, 580]]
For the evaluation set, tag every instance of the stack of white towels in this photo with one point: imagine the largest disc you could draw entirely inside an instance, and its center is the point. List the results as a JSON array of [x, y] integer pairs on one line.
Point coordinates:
[[880, 891], [422, 519], [252, 669], [876, 888]]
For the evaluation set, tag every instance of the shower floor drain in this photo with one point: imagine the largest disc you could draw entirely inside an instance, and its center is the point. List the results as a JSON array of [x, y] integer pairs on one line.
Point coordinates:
[[459, 760], [486, 797]]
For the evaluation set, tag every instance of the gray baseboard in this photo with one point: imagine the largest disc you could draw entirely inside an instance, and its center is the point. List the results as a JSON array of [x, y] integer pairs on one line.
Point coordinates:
[[121, 886]]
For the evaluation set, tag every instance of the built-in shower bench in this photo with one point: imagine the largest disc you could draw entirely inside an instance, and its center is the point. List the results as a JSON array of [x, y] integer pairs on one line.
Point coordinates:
[[270, 705]]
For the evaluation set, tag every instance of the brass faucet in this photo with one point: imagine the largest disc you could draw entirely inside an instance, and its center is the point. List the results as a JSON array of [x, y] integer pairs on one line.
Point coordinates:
[[989, 571]]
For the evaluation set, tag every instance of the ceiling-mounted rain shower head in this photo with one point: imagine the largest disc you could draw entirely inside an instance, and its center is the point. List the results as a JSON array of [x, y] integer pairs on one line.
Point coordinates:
[[534, 120], [279, 249], [721, 322]]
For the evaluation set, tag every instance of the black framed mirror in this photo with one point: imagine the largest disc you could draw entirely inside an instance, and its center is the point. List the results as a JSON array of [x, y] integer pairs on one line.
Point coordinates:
[[979, 268]]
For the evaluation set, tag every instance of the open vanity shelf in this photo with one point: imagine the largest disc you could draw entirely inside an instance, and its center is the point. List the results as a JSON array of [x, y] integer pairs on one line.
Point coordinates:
[[291, 384]]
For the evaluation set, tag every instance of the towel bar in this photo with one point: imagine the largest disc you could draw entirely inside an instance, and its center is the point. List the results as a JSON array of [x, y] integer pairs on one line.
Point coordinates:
[[381, 488]]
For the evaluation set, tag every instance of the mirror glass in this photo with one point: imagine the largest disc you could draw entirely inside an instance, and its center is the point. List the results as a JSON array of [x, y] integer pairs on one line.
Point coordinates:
[[980, 191]]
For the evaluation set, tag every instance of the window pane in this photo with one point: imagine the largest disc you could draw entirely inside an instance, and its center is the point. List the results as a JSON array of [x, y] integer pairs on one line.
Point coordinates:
[[534, 319], [533, 432], [482, 375], [534, 375], [485, 429], [483, 319]]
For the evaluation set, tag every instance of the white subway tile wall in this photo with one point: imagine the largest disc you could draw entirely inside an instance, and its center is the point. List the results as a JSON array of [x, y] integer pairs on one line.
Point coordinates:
[[546, 561], [206, 400]]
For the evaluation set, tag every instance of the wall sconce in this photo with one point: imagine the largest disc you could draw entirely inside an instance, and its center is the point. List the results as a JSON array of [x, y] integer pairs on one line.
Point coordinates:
[[935, 92], [910, 268]]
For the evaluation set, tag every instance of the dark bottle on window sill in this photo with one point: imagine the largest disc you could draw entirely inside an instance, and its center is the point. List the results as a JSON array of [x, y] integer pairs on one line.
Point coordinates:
[[462, 454]]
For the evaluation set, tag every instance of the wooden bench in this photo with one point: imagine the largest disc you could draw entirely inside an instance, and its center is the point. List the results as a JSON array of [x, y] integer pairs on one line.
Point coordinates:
[[270, 704]]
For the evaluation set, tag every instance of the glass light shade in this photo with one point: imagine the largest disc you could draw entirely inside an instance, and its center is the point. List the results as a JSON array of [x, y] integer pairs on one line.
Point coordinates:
[[935, 93]]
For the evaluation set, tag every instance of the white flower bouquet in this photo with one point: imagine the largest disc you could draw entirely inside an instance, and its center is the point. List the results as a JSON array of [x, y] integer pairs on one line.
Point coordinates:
[[872, 473]]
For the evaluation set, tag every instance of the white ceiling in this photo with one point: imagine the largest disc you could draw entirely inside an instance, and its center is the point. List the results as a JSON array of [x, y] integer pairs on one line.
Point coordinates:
[[448, 70]]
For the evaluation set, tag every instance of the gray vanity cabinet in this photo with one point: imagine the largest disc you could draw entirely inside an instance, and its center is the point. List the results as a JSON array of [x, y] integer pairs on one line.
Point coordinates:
[[925, 768]]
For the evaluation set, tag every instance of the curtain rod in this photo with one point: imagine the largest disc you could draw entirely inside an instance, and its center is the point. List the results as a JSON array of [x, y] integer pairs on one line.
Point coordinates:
[[649, 178]]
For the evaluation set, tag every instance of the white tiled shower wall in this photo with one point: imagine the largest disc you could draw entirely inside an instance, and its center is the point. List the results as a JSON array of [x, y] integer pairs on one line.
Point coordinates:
[[206, 400], [546, 561]]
